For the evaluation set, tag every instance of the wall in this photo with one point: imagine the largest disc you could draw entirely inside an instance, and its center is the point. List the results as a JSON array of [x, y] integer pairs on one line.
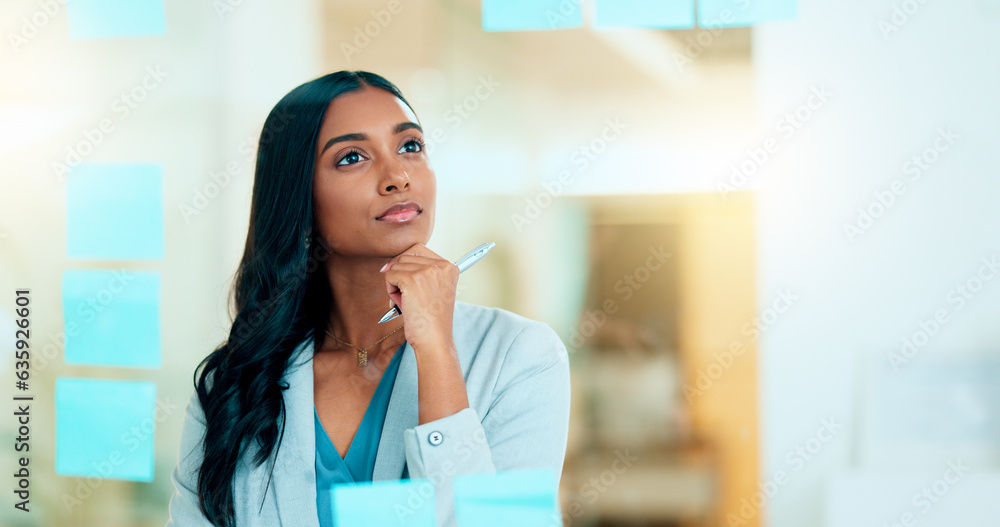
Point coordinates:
[[860, 297]]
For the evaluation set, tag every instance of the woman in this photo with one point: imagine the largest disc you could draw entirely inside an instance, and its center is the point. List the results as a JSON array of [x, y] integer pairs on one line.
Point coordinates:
[[309, 390]]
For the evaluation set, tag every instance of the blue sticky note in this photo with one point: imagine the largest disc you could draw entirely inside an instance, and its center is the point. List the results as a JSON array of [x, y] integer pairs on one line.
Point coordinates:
[[531, 15], [656, 14], [93, 19], [105, 428], [115, 212], [526, 498], [112, 318], [392, 503], [737, 13]]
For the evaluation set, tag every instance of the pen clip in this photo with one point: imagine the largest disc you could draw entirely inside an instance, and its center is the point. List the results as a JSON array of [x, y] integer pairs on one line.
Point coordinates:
[[476, 253]]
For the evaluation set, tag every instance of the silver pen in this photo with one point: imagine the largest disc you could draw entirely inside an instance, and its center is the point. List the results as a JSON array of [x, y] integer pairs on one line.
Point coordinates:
[[463, 263]]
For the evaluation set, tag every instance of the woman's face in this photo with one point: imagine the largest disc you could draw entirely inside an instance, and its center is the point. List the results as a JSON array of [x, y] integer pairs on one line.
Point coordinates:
[[370, 157]]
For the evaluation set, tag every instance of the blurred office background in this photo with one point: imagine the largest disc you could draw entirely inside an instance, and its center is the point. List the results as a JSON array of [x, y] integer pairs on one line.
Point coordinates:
[[770, 249]]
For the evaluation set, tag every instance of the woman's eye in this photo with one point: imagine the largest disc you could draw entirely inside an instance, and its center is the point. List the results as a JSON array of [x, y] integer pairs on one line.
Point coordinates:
[[350, 155], [354, 156], [416, 142]]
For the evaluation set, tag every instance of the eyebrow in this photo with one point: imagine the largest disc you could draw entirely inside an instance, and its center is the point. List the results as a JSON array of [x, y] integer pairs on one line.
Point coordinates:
[[401, 127]]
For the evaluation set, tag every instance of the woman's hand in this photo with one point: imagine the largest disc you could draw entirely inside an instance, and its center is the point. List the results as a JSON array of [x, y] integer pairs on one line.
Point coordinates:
[[423, 285]]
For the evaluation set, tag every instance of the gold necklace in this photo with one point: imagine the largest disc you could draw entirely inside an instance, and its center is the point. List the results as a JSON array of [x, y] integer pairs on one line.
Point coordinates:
[[363, 353]]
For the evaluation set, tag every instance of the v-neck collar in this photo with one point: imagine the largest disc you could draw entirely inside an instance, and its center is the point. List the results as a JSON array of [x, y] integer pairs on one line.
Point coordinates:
[[382, 386], [297, 455]]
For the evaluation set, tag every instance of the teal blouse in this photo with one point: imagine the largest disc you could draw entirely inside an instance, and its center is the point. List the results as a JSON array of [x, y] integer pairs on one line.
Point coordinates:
[[359, 463]]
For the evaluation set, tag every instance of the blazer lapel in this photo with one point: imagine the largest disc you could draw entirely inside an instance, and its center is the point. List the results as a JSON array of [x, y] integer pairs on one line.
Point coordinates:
[[402, 414], [294, 478]]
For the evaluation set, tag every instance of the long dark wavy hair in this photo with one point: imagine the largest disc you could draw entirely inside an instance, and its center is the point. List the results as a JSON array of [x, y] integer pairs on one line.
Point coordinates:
[[280, 293]]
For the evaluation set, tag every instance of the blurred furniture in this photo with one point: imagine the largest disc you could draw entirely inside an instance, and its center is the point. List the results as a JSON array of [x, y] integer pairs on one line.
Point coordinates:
[[637, 460]]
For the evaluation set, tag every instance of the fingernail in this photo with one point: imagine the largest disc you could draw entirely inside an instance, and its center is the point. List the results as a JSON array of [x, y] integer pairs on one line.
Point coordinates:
[[383, 267]]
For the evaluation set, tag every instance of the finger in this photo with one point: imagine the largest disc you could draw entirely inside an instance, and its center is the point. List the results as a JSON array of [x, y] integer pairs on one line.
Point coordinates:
[[406, 273], [412, 263], [419, 249], [411, 258], [408, 267], [395, 299], [395, 294], [400, 277], [419, 261]]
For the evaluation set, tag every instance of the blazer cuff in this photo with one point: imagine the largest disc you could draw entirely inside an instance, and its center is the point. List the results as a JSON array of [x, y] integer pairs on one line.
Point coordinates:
[[455, 444]]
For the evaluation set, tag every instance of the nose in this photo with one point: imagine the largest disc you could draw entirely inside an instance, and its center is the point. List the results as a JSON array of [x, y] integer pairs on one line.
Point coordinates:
[[394, 178]]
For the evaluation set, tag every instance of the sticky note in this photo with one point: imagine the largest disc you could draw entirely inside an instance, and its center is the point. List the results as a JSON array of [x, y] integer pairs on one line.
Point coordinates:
[[115, 212], [93, 19], [737, 13], [531, 15], [656, 14], [395, 503], [105, 428], [526, 498], [112, 318]]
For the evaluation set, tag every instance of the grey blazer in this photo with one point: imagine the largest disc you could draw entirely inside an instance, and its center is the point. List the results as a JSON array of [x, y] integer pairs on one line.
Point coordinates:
[[517, 376]]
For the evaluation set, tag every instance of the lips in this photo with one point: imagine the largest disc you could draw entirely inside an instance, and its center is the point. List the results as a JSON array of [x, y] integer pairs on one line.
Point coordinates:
[[400, 212]]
